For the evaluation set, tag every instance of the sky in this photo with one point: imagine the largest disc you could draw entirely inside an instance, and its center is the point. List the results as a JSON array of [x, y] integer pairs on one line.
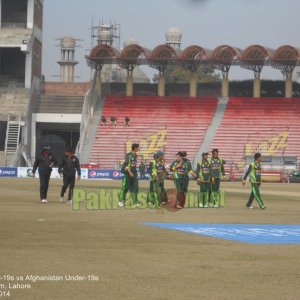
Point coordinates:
[[207, 23]]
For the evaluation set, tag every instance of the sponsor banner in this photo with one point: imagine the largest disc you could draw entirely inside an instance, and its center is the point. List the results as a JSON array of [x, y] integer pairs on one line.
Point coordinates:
[[116, 174], [8, 172], [107, 174], [26, 172], [100, 174], [246, 233], [84, 173]]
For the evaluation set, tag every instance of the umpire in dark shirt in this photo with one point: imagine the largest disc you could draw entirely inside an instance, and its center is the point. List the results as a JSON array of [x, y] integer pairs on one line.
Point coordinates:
[[67, 168], [44, 164]]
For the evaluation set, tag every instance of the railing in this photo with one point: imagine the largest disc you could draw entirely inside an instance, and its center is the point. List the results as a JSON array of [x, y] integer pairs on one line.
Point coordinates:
[[6, 135], [22, 150], [88, 110], [12, 141], [16, 157]]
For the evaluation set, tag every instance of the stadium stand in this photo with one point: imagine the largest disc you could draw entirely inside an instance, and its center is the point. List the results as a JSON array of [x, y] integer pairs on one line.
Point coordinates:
[[166, 123], [267, 125]]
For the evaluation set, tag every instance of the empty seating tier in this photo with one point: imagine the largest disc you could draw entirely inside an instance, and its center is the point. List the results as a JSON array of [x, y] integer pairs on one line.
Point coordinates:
[[170, 124], [249, 125]]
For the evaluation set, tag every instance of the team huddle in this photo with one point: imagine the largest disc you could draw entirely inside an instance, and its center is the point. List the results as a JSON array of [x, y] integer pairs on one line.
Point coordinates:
[[208, 174]]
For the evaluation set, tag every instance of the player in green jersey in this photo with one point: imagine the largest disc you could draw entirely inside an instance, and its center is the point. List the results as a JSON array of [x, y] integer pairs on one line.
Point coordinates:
[[182, 169], [204, 179], [157, 171], [254, 172], [217, 170], [130, 180], [189, 165]]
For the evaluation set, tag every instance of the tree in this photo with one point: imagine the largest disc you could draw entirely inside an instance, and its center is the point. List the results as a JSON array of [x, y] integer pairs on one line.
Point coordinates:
[[177, 74]]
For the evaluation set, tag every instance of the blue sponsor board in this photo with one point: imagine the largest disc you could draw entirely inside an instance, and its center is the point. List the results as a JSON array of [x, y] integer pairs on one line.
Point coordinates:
[[99, 174], [106, 174], [8, 172], [246, 233]]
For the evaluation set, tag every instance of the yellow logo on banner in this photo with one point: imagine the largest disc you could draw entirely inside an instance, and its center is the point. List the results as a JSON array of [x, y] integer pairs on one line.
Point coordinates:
[[150, 144], [269, 146]]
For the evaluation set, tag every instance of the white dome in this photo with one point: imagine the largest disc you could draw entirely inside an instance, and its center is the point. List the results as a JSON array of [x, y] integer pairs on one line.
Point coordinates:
[[173, 35], [130, 41]]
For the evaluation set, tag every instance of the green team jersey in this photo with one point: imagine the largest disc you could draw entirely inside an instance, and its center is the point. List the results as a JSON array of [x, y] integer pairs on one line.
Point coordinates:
[[217, 167], [188, 164], [254, 172], [156, 170], [204, 170], [130, 163], [181, 170]]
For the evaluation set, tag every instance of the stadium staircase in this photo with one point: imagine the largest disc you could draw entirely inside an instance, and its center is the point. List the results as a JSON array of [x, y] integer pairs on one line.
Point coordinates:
[[67, 104], [212, 128], [90, 126], [170, 124], [249, 125]]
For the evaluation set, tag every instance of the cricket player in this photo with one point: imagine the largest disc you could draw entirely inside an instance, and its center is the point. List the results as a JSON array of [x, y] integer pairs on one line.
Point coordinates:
[[188, 163], [67, 168], [130, 178], [204, 179], [254, 172], [142, 169], [157, 194], [217, 170], [181, 169], [44, 164]]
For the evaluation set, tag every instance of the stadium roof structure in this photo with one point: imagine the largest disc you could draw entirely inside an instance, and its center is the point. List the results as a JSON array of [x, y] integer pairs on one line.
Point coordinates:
[[192, 57], [286, 58], [102, 54], [254, 57], [131, 56], [223, 57], [161, 56]]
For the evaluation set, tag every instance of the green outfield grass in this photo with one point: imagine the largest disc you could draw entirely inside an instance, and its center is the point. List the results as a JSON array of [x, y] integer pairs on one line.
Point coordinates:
[[123, 259]]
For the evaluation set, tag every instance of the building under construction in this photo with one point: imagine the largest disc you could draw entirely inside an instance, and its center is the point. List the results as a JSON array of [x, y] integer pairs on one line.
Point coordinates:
[[20, 72]]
